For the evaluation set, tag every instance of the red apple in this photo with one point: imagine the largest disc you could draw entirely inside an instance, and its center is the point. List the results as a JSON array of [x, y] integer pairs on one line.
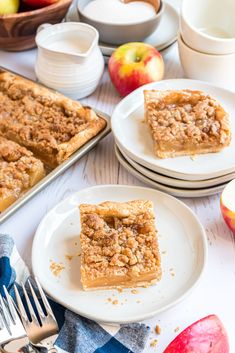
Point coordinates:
[[207, 335], [133, 65], [227, 205], [36, 4]]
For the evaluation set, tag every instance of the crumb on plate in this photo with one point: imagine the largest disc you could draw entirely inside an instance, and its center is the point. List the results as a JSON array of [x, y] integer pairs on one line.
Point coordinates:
[[158, 329], [193, 157], [153, 343], [56, 268], [134, 291], [69, 257]]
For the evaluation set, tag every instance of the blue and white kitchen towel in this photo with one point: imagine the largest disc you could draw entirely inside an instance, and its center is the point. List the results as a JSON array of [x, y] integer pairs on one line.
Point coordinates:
[[77, 334]]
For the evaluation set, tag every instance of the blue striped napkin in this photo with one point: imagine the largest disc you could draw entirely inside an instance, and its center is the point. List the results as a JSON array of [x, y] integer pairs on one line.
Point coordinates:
[[77, 334]]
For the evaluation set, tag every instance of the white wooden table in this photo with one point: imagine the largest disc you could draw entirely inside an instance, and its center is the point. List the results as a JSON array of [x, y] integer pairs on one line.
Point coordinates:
[[216, 291]]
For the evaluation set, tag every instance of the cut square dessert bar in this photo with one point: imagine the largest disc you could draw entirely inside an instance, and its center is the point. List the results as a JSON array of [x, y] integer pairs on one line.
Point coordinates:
[[119, 245], [19, 171], [186, 122], [50, 125]]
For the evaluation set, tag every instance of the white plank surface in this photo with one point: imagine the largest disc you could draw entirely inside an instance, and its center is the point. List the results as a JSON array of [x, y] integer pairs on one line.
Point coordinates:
[[215, 293]]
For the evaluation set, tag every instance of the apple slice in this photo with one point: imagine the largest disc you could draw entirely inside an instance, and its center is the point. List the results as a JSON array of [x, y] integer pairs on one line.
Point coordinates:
[[207, 335], [227, 205]]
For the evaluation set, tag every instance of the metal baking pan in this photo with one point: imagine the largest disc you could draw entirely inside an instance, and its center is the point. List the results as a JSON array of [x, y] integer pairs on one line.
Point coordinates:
[[58, 170]]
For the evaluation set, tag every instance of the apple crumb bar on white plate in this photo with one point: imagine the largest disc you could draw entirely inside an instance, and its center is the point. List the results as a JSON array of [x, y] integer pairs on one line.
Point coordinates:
[[186, 122], [119, 245]]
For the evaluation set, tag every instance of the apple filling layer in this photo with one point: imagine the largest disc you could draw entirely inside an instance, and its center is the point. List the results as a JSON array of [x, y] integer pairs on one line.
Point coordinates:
[[119, 245], [49, 124], [186, 123], [19, 171]]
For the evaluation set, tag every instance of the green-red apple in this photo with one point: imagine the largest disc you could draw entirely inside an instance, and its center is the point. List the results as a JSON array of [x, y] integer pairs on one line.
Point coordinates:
[[39, 3], [207, 335], [9, 6], [227, 205], [133, 65]]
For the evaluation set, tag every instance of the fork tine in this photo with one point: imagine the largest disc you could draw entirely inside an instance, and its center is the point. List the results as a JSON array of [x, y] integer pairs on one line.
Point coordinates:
[[44, 300], [2, 324], [11, 305], [5, 315], [37, 304], [30, 308], [20, 305]]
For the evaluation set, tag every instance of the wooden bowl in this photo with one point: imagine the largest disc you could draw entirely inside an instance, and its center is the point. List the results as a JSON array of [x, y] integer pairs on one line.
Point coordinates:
[[17, 31]]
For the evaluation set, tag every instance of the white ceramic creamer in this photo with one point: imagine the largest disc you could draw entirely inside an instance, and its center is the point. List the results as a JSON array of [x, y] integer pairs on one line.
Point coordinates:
[[69, 59]]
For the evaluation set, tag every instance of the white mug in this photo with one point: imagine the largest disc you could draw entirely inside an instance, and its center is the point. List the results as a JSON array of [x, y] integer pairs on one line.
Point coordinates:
[[69, 59], [216, 69], [208, 26]]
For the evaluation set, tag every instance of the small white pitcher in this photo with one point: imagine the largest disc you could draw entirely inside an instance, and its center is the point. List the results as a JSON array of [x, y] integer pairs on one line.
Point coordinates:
[[69, 59]]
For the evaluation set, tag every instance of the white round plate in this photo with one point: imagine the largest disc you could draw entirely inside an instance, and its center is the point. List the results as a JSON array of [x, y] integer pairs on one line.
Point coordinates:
[[133, 136], [163, 37], [182, 244], [186, 184], [178, 192]]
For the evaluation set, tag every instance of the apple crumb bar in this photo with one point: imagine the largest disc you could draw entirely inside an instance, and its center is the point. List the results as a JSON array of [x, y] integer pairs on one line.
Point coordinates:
[[50, 125], [19, 171], [119, 245], [185, 122]]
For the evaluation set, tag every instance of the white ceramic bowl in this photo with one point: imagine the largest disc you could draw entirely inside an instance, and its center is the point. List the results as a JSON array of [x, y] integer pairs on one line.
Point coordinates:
[[217, 69], [209, 25], [120, 33]]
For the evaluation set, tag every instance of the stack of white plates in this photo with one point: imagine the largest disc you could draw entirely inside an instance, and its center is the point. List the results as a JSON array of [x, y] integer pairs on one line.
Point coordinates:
[[185, 176]]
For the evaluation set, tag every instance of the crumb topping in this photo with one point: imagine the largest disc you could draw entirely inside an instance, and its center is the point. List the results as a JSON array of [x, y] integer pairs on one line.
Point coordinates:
[[40, 117], [186, 116], [119, 238]]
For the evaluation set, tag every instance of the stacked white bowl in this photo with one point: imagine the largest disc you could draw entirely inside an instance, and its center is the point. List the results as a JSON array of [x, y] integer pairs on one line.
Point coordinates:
[[207, 41]]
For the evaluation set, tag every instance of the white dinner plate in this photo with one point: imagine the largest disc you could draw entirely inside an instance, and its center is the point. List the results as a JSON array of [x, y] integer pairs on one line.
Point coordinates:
[[133, 135], [183, 248], [186, 184], [163, 37], [174, 191]]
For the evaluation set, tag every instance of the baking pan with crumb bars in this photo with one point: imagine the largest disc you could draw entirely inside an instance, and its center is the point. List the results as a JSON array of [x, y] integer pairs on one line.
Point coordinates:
[[53, 174]]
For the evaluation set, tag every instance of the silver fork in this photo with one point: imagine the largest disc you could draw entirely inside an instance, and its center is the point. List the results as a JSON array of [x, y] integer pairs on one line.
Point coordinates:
[[43, 333], [13, 337]]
